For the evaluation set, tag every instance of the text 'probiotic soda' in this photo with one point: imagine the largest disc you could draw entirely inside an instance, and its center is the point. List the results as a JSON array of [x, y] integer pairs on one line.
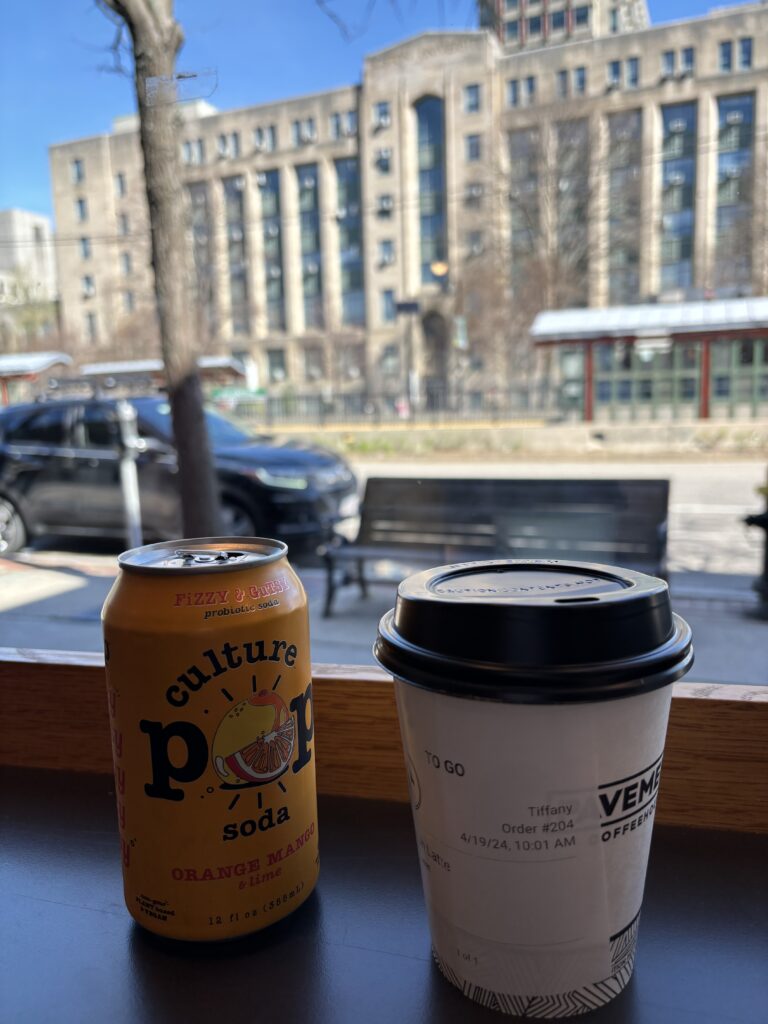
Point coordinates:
[[210, 704]]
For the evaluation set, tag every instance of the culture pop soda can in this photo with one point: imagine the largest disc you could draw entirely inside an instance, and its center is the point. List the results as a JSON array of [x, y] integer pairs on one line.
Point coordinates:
[[210, 703]]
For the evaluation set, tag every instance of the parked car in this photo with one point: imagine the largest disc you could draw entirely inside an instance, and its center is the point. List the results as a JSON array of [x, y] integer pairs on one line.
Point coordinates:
[[60, 474]]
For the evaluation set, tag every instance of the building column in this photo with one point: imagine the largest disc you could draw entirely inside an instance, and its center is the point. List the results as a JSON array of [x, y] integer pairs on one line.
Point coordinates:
[[292, 269], [327, 195], [650, 202], [219, 259], [597, 224], [706, 193]]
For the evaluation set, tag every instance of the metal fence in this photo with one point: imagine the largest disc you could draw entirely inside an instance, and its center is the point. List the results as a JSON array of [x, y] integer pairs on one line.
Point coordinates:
[[434, 406]]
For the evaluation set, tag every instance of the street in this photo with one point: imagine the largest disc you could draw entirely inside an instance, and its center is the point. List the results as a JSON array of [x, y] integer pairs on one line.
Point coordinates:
[[51, 596]]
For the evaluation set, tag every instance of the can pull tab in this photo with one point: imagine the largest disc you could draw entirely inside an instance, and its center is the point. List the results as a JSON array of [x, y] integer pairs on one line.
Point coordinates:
[[207, 557]]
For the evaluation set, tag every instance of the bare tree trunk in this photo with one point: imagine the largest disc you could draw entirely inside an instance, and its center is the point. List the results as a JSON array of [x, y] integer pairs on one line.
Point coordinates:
[[157, 39]]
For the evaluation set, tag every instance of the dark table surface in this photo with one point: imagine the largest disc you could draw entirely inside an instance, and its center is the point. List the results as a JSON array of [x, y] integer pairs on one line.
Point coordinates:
[[359, 948]]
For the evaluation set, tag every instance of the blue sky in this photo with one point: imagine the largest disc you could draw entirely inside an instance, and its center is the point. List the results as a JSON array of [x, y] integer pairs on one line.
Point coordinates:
[[54, 88]]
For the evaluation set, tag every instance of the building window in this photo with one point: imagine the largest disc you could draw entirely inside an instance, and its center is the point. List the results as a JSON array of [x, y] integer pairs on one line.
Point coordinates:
[[678, 170], [475, 243], [513, 92], [309, 233], [314, 363], [91, 327], [385, 204], [236, 232], [335, 126], [386, 252], [745, 53], [229, 144], [388, 310], [735, 230], [129, 302], [572, 207], [471, 99], [726, 55], [77, 171], [350, 241], [614, 73], [384, 161], [580, 81], [81, 210], [530, 90], [624, 206], [633, 72], [512, 31], [126, 263], [276, 368], [668, 63], [120, 185], [304, 131], [430, 117], [511, 5], [561, 80], [472, 147], [202, 253], [382, 117], [269, 192], [87, 286], [687, 60], [613, 20], [123, 224], [193, 152], [581, 16], [557, 21], [85, 248], [265, 139], [351, 122], [534, 25]]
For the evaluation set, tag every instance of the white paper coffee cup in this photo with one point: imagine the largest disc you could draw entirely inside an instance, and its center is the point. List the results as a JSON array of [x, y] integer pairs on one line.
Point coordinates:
[[534, 779]]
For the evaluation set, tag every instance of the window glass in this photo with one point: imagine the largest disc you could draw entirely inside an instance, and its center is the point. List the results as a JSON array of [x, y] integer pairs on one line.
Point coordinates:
[[534, 25], [581, 16], [557, 21], [473, 147], [45, 427], [471, 99], [726, 55], [512, 30], [99, 427], [745, 53], [388, 312]]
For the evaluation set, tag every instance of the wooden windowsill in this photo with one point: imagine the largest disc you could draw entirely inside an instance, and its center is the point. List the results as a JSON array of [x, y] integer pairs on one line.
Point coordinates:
[[715, 763]]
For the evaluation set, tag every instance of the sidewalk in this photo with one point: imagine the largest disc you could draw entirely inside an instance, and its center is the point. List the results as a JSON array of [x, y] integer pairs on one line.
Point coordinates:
[[52, 600]]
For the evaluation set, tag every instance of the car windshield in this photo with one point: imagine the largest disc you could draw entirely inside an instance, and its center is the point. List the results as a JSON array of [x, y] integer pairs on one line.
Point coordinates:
[[221, 431]]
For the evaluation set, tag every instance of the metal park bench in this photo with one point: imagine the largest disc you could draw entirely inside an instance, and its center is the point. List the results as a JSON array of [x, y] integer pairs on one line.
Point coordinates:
[[420, 523]]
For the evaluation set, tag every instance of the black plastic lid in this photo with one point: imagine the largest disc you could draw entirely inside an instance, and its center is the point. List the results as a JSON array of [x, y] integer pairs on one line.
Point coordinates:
[[534, 632]]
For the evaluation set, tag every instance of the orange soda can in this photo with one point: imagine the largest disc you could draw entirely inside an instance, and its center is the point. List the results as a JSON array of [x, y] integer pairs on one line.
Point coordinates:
[[210, 703]]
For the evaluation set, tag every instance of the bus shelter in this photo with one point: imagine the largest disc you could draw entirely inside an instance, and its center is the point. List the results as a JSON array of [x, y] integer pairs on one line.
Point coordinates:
[[665, 361], [26, 367]]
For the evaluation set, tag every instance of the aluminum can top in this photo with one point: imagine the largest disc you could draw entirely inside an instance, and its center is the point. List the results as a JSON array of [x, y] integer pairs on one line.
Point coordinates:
[[203, 555]]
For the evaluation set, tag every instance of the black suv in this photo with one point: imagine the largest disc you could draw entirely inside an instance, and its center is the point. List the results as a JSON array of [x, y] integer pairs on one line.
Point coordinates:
[[60, 474]]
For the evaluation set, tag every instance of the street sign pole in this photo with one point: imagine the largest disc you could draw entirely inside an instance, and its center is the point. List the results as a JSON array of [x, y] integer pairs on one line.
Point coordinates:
[[129, 477]]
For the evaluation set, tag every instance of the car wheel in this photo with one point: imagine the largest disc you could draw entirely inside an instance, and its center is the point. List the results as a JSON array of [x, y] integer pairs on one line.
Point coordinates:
[[13, 535], [237, 521]]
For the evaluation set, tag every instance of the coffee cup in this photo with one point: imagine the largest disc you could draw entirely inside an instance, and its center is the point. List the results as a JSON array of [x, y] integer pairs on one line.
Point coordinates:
[[533, 699]]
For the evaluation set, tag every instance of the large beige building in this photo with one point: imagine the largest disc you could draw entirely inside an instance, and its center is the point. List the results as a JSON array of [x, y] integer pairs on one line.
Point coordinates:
[[580, 158]]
